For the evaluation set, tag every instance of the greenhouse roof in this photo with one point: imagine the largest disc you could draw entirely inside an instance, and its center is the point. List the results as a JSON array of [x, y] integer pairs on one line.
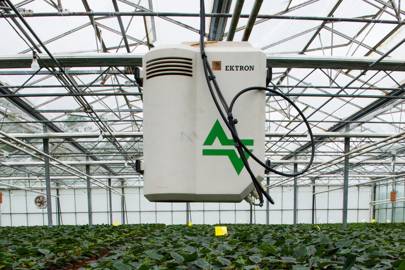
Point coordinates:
[[342, 62]]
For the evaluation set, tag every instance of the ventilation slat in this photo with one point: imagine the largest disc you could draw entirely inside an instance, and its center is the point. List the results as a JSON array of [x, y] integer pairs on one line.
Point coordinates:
[[185, 67], [169, 63], [169, 73], [169, 70], [169, 66], [168, 58]]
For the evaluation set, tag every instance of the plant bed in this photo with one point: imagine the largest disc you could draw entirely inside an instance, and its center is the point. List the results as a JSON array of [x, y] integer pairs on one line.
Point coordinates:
[[331, 246], [62, 247]]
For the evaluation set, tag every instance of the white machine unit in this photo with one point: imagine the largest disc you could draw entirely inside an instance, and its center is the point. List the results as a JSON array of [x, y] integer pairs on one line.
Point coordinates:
[[188, 150]]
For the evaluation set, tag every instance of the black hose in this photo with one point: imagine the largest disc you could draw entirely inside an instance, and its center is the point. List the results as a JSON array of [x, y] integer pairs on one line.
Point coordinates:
[[255, 88], [210, 77], [226, 114]]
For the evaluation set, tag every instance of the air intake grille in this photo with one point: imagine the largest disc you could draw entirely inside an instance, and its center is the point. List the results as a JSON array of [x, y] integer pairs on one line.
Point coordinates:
[[166, 66]]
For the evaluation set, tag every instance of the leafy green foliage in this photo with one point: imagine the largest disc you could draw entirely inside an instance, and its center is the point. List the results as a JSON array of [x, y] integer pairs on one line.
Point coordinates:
[[64, 246], [299, 247]]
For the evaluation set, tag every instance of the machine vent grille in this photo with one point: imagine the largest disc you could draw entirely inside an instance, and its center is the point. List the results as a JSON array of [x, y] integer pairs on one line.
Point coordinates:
[[165, 66]]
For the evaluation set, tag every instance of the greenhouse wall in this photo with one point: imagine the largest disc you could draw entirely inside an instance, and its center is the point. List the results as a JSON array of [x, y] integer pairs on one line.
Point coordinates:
[[385, 210], [18, 208]]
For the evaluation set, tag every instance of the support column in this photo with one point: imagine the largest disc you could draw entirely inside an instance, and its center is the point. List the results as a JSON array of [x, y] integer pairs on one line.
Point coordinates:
[[110, 202], [268, 190], [58, 210], [346, 180], [313, 200], [122, 201], [295, 213], [393, 188], [373, 198], [88, 188], [1, 202], [48, 182], [251, 214], [187, 213]]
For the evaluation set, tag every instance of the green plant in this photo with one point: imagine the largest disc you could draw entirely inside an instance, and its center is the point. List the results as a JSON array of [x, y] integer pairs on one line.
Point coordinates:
[[298, 247]]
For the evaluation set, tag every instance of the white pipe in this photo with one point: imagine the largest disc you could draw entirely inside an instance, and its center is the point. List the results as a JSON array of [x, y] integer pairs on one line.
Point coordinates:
[[78, 135], [379, 202], [26, 189], [122, 162], [75, 171], [356, 152], [367, 183]]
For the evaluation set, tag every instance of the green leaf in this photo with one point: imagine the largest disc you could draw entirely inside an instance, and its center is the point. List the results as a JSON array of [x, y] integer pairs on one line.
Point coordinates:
[[300, 252], [268, 249], [251, 267], [288, 259], [311, 250], [190, 255], [402, 265], [144, 266], [177, 257], [22, 251], [349, 262], [202, 263], [119, 265], [153, 254], [255, 258], [300, 267], [44, 251], [224, 261]]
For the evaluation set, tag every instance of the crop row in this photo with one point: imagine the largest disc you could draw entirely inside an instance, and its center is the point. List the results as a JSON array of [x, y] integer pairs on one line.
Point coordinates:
[[357, 246]]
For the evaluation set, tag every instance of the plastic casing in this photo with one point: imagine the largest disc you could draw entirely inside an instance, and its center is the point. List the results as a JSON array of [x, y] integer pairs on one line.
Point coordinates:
[[179, 113]]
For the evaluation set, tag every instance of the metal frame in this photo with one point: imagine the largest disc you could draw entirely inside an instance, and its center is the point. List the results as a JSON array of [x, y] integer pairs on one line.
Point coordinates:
[[327, 65]]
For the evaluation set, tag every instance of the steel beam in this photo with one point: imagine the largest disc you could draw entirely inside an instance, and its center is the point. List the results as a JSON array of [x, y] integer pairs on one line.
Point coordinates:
[[393, 188], [95, 26], [138, 94], [373, 198], [123, 208], [295, 210], [274, 61], [313, 200], [110, 202], [61, 177], [267, 190], [123, 32], [47, 182], [346, 180], [188, 213], [89, 200], [252, 19], [58, 207], [218, 24], [357, 116], [303, 61], [250, 214], [31, 111], [235, 19], [196, 15], [137, 134]]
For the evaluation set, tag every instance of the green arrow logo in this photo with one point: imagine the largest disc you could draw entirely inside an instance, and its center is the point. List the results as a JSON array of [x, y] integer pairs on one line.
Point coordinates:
[[217, 132]]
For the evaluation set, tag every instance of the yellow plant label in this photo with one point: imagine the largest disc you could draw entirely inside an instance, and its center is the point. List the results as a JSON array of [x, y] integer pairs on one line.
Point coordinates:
[[221, 231], [116, 223]]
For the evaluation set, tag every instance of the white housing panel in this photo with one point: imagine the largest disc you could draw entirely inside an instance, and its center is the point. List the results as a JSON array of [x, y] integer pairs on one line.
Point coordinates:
[[188, 151]]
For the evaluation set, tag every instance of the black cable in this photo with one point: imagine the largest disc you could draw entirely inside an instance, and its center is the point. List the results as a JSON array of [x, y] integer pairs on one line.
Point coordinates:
[[226, 114], [210, 77], [255, 88]]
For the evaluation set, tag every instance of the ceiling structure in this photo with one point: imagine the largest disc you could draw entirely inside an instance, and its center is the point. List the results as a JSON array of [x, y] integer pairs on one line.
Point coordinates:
[[341, 61]]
